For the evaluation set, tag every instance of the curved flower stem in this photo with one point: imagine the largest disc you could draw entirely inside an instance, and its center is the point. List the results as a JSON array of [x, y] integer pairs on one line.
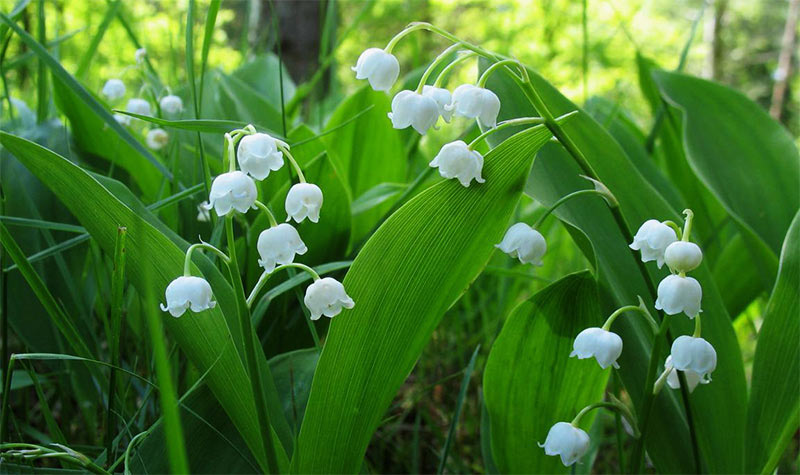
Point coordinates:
[[444, 72], [494, 67], [687, 225], [263, 280], [285, 150], [249, 342], [637, 308], [697, 326], [675, 227], [659, 384], [613, 405], [266, 210], [563, 200], [504, 125], [436, 62], [187, 262]]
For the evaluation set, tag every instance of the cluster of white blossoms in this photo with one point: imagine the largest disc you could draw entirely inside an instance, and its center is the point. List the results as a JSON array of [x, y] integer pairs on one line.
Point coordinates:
[[422, 108], [662, 242], [169, 105], [259, 154]]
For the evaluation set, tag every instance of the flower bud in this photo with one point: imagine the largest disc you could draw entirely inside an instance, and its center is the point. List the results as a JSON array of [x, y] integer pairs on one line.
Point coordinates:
[[694, 354], [113, 89], [378, 67], [188, 292], [278, 245], [456, 160], [476, 102], [123, 119], [683, 256], [678, 294], [604, 345], [524, 242], [443, 98], [202, 212], [652, 239], [139, 55], [232, 190], [415, 110], [327, 297], [157, 139], [171, 105], [138, 106], [692, 378], [258, 154], [304, 200], [567, 441]]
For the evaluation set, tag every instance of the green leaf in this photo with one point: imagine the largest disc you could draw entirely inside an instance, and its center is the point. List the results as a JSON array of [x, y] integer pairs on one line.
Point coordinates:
[[744, 156], [530, 382], [154, 259], [409, 272], [211, 126], [368, 151], [718, 407], [773, 414]]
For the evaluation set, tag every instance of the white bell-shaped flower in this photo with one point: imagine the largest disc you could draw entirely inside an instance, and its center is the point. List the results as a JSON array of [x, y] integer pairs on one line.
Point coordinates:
[[278, 245], [378, 67], [678, 294], [171, 105], [139, 55], [232, 190], [694, 354], [567, 441], [443, 98], [327, 297], [456, 160], [604, 345], [138, 106], [123, 119], [157, 138], [524, 242], [113, 89], [415, 110], [304, 200], [683, 256], [258, 154], [692, 378], [188, 292], [476, 102], [202, 212], [652, 240]]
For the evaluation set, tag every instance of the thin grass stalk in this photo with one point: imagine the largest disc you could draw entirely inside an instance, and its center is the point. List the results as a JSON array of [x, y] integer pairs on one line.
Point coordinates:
[[117, 288], [462, 393]]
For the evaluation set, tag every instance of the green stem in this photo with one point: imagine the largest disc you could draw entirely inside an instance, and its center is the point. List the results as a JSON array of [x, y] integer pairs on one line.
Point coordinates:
[[266, 210], [615, 406], [443, 74], [687, 225], [285, 150], [187, 262], [6, 389], [697, 326], [117, 288], [504, 125], [436, 62], [494, 67], [250, 351], [675, 227], [637, 308], [266, 275], [563, 200]]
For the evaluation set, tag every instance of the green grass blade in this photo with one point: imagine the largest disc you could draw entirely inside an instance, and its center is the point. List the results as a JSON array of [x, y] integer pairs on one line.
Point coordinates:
[[462, 393], [42, 99], [83, 94], [41, 224], [117, 288], [211, 126], [211, 20], [86, 59]]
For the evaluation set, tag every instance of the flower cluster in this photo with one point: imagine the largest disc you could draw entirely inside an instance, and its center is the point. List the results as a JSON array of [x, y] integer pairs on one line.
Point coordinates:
[[422, 108], [169, 105], [662, 242], [259, 154]]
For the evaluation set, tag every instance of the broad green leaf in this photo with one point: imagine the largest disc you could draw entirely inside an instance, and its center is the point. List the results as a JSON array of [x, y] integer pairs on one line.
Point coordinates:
[[93, 136], [530, 382], [262, 74], [745, 157], [736, 274], [406, 276], [717, 407], [207, 338], [773, 415], [368, 151]]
